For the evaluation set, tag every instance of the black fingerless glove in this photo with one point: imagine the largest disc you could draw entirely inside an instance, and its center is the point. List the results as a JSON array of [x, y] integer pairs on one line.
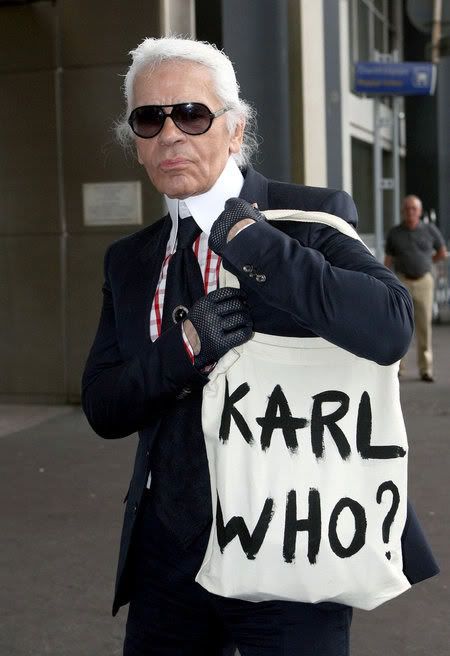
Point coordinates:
[[222, 321], [235, 210]]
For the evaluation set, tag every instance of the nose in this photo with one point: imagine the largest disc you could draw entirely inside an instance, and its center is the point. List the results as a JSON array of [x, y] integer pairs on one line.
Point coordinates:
[[170, 133]]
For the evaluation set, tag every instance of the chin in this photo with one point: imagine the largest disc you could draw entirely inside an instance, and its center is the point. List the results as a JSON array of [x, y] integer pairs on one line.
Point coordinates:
[[180, 188], [179, 195], [182, 191]]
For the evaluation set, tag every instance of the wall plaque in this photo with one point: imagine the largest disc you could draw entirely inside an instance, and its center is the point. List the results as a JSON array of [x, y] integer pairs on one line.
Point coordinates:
[[112, 203]]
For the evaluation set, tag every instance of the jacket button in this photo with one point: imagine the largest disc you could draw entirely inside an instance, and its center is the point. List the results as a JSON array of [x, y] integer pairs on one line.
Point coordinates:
[[260, 277], [179, 313], [135, 507], [247, 268]]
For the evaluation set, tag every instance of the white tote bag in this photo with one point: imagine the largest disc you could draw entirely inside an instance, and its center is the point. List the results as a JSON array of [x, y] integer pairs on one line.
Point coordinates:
[[307, 453]]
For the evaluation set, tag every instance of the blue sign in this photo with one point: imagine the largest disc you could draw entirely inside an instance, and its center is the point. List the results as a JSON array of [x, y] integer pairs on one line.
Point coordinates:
[[395, 78]]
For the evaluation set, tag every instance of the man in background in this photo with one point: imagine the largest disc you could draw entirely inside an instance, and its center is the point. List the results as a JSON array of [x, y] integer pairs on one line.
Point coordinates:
[[411, 249]]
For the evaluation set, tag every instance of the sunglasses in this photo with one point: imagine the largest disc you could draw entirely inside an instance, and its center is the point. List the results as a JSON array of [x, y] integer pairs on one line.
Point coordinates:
[[189, 117]]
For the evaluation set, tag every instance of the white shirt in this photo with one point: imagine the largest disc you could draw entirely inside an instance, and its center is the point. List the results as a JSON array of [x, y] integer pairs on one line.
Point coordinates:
[[205, 209]]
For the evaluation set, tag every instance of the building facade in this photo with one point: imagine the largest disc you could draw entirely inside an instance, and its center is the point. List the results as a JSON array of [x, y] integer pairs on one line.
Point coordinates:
[[67, 190]]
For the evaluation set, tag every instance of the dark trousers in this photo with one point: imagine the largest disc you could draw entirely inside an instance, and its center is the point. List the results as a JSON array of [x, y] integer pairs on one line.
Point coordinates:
[[170, 614]]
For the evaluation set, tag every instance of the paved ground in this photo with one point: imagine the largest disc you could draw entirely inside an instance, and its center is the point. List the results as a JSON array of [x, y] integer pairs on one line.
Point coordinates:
[[61, 489]]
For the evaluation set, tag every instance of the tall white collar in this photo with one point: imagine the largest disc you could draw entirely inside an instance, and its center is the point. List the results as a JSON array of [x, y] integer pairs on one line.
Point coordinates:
[[205, 208]]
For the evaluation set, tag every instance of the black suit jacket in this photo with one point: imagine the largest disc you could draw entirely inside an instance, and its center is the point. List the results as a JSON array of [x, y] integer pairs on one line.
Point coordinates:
[[318, 282]]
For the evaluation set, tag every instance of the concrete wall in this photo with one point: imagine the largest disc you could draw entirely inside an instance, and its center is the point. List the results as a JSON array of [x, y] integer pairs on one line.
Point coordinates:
[[60, 68]]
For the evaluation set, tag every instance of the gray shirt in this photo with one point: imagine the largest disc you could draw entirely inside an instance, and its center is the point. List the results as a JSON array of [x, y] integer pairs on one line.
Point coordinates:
[[412, 250]]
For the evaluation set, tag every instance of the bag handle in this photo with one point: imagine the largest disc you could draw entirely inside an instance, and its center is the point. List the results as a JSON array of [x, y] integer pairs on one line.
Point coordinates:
[[227, 279]]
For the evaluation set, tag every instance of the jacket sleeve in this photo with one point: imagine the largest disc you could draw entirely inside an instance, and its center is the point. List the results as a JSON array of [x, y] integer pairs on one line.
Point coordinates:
[[333, 287], [340, 204], [121, 396]]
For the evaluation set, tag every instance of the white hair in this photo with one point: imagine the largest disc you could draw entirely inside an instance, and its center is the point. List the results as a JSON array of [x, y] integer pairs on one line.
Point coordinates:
[[151, 53], [412, 197]]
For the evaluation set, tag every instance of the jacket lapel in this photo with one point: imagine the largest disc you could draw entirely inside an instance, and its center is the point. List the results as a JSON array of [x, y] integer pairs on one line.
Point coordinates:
[[156, 244], [255, 188], [152, 257], [136, 290]]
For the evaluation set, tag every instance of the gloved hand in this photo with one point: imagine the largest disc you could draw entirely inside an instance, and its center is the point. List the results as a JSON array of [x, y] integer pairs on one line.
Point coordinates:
[[235, 210], [222, 321]]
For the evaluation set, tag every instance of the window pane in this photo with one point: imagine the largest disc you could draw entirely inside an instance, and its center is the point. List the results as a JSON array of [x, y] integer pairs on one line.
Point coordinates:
[[363, 32], [379, 4], [362, 184], [388, 214], [379, 41], [351, 31], [353, 40], [393, 18], [393, 41], [392, 12], [402, 178]]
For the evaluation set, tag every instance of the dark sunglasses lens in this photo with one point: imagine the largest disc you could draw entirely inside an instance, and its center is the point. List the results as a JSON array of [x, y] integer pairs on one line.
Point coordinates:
[[192, 118], [147, 121]]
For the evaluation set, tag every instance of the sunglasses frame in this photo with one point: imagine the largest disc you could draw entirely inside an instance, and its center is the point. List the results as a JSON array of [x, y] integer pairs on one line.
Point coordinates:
[[211, 115]]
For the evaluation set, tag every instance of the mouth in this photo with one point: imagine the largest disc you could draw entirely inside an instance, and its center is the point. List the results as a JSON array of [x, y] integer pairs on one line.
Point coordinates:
[[173, 163]]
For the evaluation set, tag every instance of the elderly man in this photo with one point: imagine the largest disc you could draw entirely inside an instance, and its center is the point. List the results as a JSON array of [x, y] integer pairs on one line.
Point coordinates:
[[411, 248], [164, 324]]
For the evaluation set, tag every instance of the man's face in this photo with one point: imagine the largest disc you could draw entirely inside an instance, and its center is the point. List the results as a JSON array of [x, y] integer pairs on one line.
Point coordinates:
[[178, 164], [412, 211]]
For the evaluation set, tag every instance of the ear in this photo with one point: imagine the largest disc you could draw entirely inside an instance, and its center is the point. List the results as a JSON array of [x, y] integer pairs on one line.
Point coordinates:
[[236, 138]]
